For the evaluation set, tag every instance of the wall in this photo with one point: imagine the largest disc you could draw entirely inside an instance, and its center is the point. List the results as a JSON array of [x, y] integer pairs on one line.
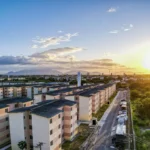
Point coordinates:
[[85, 107], [16, 121], [41, 131]]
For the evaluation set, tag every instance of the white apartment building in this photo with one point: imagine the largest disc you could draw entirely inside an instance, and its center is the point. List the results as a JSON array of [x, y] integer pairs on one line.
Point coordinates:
[[7, 105], [50, 122]]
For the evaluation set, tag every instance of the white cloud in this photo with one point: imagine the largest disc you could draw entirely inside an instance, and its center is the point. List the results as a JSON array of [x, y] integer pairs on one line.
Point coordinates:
[[56, 53], [131, 25], [110, 10], [114, 31], [48, 41], [60, 31], [127, 27], [34, 46]]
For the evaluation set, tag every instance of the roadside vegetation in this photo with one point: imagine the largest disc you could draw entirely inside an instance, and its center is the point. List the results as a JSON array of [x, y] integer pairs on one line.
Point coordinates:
[[84, 132], [140, 102]]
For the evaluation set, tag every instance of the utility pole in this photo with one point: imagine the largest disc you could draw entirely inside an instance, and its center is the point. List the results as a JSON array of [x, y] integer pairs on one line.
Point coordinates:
[[39, 145]]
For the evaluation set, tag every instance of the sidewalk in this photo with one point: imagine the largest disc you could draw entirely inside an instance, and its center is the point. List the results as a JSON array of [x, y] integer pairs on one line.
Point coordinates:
[[105, 115]]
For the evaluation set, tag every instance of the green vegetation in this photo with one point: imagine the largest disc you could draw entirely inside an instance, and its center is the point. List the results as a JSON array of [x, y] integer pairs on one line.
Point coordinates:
[[140, 102], [22, 145], [84, 132]]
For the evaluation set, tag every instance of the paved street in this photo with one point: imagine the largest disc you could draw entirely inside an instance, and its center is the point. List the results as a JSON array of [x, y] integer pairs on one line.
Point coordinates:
[[107, 122]]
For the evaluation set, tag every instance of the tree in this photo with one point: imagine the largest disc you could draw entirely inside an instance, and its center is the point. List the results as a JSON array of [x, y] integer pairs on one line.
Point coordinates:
[[22, 145]]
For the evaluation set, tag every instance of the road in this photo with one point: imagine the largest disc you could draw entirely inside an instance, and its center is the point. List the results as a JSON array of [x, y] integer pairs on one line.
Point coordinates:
[[109, 121]]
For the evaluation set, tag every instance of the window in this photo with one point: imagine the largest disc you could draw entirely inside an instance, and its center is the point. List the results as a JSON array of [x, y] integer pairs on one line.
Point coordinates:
[[24, 117], [71, 117], [30, 117], [31, 137], [24, 127], [31, 146], [51, 132], [62, 118], [59, 127], [59, 136], [8, 135], [16, 105], [71, 125], [71, 108], [7, 127], [7, 118], [51, 143], [30, 127], [59, 116], [62, 127], [24, 105], [51, 121], [6, 110]]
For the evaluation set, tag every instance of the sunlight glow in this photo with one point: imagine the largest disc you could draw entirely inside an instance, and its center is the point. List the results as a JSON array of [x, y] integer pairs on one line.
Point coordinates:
[[146, 61]]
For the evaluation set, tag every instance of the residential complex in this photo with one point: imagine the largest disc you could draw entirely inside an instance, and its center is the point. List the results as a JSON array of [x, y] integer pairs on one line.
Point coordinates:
[[48, 114]]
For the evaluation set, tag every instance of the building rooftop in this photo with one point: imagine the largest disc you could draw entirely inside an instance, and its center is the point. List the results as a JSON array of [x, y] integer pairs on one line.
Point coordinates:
[[58, 92], [47, 108], [90, 92], [7, 101]]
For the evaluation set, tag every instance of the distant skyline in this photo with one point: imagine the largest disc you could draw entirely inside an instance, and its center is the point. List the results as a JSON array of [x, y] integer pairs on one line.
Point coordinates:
[[89, 35]]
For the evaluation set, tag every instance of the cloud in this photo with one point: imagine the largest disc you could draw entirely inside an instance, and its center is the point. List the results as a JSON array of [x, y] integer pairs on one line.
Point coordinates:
[[111, 10], [48, 41], [124, 28], [34, 46], [12, 60], [60, 31], [114, 31], [127, 27], [54, 53]]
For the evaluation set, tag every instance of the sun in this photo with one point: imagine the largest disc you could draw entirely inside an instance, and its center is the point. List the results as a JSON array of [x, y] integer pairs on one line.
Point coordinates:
[[146, 61]]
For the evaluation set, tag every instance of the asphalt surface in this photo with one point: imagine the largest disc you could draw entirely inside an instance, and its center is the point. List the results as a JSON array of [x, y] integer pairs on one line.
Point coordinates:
[[109, 121]]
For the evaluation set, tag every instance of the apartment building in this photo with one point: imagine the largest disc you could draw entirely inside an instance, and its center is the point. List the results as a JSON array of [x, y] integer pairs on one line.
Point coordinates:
[[56, 94], [7, 105], [8, 91], [89, 101], [49, 122], [1, 93], [17, 91]]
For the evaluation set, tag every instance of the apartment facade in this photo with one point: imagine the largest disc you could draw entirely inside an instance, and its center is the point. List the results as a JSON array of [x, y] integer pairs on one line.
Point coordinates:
[[50, 122], [8, 92], [1, 93], [7, 105], [17, 91]]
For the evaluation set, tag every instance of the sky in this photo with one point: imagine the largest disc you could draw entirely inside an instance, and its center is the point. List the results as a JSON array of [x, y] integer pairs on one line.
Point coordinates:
[[90, 35]]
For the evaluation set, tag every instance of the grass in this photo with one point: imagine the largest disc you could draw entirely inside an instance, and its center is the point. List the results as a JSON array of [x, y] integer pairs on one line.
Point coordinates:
[[84, 132]]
